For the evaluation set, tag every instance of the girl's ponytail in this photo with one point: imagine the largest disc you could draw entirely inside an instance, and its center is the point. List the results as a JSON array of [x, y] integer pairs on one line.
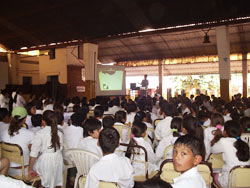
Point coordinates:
[[50, 118]]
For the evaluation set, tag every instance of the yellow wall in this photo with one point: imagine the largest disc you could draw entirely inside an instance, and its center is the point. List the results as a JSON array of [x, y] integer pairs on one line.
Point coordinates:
[[54, 67], [20, 66]]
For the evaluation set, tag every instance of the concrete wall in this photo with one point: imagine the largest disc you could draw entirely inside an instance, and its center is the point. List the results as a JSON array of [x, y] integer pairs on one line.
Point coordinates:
[[4, 73], [54, 67]]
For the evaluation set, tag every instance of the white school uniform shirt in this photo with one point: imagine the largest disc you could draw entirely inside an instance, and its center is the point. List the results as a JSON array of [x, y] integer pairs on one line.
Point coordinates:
[[130, 118], [52, 176], [35, 129], [7, 182], [208, 137], [227, 117], [28, 121], [48, 107], [226, 147], [113, 110], [153, 117], [165, 142], [139, 168], [20, 101], [24, 138], [72, 135], [67, 116], [90, 144], [111, 168], [4, 102], [163, 128], [3, 129], [189, 179], [39, 111], [186, 111]]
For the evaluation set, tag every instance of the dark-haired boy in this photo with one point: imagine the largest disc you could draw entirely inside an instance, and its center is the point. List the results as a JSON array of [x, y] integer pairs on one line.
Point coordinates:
[[4, 121], [187, 154], [111, 167], [36, 121], [92, 128]]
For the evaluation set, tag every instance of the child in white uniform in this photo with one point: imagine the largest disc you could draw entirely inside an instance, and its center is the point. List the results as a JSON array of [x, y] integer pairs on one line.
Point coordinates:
[[31, 109], [36, 121], [74, 133], [120, 119], [48, 143], [217, 124], [17, 134], [138, 132], [4, 121], [169, 140], [187, 154], [234, 151], [92, 128], [111, 167]]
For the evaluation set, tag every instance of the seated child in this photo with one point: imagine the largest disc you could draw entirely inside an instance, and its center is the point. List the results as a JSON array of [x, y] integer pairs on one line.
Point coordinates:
[[120, 119], [92, 128], [234, 151], [74, 132], [138, 132], [98, 113], [169, 140], [187, 154], [111, 167], [108, 122], [60, 121], [36, 121], [31, 109]]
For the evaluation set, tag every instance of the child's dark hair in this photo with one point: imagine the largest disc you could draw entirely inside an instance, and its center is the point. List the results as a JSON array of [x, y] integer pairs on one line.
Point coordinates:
[[98, 111], [36, 120], [233, 130], [245, 124], [120, 116], [60, 118], [90, 125], [39, 104], [29, 106], [58, 108], [77, 119], [50, 119], [15, 125], [131, 107], [3, 113], [153, 183], [191, 124], [109, 140], [139, 116], [137, 130], [217, 121], [193, 143], [108, 122], [176, 126], [167, 108]]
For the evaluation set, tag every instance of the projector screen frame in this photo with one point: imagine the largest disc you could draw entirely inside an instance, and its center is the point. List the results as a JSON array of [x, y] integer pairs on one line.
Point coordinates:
[[98, 91]]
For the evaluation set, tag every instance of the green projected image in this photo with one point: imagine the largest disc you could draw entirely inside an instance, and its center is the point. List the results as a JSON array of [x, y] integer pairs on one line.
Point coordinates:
[[110, 80]]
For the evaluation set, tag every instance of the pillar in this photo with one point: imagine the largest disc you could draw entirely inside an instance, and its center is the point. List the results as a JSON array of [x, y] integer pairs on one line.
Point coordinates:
[[13, 67], [244, 73], [160, 72], [223, 49], [90, 54]]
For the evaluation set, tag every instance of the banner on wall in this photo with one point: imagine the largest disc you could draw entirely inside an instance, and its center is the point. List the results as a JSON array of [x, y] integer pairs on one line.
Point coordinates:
[[80, 89]]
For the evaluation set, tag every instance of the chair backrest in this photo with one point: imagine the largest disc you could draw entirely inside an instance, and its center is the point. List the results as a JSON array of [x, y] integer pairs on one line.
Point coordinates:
[[217, 161], [14, 153], [167, 172], [239, 177], [121, 128], [167, 149], [90, 114], [246, 138], [156, 122], [82, 159], [103, 184], [144, 161]]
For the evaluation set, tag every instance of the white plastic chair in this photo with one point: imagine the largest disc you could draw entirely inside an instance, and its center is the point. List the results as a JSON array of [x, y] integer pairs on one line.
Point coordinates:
[[82, 160]]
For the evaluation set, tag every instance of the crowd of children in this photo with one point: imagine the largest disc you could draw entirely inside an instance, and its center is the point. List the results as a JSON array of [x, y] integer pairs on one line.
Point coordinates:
[[45, 129]]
